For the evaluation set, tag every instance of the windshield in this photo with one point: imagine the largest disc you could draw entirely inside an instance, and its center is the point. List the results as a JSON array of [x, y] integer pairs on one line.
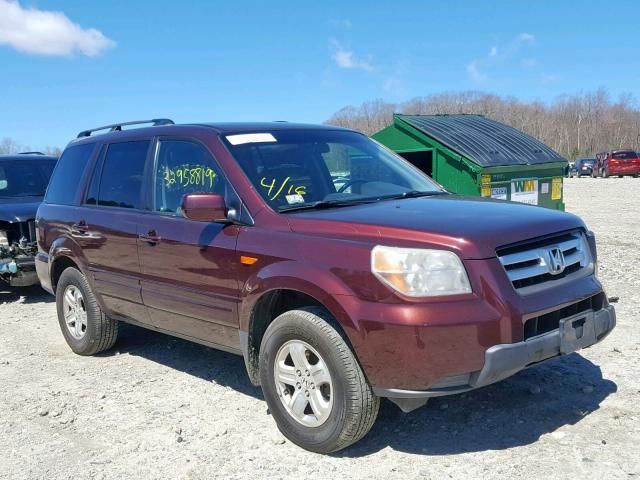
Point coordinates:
[[624, 155], [298, 168], [22, 178]]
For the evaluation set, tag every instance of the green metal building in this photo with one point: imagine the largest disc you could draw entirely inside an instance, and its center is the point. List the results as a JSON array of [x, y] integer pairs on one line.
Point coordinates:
[[473, 155]]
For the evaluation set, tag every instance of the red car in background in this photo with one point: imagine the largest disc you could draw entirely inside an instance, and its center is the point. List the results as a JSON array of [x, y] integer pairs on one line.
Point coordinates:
[[616, 162]]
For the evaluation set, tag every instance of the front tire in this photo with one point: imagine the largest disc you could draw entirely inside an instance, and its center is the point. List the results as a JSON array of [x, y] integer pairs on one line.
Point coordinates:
[[84, 325], [313, 384]]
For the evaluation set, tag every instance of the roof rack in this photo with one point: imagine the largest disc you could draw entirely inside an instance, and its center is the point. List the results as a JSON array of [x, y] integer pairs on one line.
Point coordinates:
[[116, 127], [31, 153]]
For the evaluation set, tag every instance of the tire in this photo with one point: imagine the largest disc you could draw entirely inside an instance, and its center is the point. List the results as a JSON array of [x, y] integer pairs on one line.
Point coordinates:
[[354, 407], [89, 330], [620, 176], [605, 173]]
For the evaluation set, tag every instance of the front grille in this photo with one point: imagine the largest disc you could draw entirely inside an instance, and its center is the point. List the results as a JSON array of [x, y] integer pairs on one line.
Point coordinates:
[[16, 231], [529, 264], [551, 321]]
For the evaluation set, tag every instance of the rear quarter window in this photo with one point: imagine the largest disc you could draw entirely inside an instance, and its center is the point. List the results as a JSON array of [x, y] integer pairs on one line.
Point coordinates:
[[66, 178]]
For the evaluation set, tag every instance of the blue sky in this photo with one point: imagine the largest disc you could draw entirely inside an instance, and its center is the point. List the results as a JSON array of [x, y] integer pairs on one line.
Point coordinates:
[[297, 61]]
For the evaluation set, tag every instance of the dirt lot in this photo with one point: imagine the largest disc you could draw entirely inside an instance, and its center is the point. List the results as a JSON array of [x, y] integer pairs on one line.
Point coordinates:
[[158, 407]]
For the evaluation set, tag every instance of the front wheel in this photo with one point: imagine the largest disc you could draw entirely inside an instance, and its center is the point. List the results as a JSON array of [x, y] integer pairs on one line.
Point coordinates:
[[313, 384]]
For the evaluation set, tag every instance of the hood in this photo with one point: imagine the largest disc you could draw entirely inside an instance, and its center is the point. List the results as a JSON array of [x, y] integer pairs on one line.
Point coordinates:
[[474, 227], [19, 209]]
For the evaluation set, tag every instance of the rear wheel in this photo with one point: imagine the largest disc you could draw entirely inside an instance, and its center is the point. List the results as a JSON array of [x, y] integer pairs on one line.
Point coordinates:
[[313, 384], [84, 325]]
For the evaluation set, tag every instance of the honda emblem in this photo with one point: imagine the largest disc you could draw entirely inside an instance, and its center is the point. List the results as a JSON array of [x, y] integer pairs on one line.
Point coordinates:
[[556, 261]]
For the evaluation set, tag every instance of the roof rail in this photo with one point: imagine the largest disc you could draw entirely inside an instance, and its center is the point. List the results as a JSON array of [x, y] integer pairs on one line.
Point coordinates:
[[31, 153], [116, 127]]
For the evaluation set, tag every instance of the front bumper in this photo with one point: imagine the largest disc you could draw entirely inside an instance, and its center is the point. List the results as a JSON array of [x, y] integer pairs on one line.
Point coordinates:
[[504, 360]]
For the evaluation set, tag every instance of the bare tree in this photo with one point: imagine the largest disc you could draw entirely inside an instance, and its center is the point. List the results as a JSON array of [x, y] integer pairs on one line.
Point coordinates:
[[574, 125], [8, 145]]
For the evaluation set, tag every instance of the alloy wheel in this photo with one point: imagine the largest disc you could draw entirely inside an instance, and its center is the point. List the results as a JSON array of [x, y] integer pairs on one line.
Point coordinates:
[[303, 383], [75, 312]]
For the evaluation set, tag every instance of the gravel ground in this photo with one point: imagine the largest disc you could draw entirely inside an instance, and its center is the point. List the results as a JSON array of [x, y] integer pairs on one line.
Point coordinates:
[[159, 407]]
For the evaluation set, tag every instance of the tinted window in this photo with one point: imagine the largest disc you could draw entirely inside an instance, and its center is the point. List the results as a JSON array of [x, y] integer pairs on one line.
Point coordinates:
[[63, 187], [94, 184], [183, 167], [624, 155], [24, 178], [122, 174]]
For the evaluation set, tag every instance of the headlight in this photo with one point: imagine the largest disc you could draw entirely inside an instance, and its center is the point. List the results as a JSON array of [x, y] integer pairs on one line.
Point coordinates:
[[417, 272], [4, 240]]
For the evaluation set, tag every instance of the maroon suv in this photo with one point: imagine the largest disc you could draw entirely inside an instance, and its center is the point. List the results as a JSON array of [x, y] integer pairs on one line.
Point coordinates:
[[340, 272]]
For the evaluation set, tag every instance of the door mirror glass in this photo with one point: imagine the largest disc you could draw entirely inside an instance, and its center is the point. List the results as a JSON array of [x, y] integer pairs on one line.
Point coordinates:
[[204, 207]]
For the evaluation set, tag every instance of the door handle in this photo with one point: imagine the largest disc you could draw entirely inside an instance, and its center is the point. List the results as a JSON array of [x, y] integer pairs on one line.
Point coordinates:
[[80, 228], [152, 237]]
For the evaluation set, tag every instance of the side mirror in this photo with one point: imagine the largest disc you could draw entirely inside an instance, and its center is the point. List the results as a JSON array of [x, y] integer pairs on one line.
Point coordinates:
[[204, 207]]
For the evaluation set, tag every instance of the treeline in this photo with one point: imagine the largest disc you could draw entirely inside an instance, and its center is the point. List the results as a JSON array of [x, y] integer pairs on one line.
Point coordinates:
[[10, 146], [573, 125]]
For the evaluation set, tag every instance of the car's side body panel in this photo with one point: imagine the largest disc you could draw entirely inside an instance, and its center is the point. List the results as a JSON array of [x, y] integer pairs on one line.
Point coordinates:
[[189, 282]]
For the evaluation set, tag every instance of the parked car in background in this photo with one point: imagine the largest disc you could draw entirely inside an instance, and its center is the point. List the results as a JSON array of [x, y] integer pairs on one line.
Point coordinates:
[[339, 271], [23, 181], [617, 162], [581, 167]]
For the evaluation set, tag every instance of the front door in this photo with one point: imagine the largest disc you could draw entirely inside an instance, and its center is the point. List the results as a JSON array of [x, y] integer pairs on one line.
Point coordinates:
[[189, 268]]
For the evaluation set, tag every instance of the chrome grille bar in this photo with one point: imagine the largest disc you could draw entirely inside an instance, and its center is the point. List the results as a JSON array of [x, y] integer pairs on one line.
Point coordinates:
[[532, 264]]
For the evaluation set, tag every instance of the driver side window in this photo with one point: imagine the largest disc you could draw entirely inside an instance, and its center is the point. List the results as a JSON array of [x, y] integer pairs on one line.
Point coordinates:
[[183, 167]]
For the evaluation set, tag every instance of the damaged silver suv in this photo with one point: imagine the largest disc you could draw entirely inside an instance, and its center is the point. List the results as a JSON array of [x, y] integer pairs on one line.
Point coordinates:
[[23, 181]]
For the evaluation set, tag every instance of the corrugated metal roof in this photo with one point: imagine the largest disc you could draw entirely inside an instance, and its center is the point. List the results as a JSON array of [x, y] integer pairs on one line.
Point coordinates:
[[482, 140]]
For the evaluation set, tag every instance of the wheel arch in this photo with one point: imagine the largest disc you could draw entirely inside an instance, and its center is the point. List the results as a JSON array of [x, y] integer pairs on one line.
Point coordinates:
[[65, 253], [272, 303]]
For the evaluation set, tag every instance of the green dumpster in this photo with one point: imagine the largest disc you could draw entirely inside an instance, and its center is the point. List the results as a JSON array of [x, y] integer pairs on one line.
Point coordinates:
[[474, 155]]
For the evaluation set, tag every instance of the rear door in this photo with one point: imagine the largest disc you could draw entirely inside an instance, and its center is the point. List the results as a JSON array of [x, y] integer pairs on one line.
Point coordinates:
[[189, 268], [107, 227]]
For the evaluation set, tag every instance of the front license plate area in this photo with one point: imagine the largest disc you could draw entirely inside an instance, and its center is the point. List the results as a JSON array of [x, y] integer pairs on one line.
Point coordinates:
[[577, 332]]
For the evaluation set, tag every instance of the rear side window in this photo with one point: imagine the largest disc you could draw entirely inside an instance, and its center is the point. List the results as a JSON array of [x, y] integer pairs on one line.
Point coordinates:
[[122, 175], [63, 187]]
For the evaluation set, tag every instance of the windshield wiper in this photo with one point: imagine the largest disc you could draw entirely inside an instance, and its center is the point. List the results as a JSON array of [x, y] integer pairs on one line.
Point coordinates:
[[322, 204], [412, 194]]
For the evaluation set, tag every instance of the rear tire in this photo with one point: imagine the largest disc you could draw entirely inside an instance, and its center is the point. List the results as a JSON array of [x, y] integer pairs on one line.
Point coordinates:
[[346, 405], [84, 325]]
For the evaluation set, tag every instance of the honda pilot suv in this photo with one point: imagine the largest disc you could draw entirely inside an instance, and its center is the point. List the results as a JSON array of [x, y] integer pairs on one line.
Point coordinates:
[[340, 272]]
